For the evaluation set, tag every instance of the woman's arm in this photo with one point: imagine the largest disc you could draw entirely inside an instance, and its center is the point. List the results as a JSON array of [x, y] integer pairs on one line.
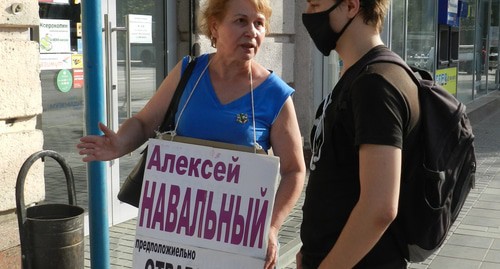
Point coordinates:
[[135, 130], [286, 143]]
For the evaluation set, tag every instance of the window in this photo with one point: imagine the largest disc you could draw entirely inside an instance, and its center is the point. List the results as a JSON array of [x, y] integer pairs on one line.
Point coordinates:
[[421, 40]]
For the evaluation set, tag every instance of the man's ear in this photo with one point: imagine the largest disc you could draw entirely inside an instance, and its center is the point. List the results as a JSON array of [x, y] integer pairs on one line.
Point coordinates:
[[353, 7]]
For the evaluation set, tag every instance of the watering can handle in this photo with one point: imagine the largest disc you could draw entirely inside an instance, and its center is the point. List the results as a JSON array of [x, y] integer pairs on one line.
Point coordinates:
[[70, 182], [21, 207]]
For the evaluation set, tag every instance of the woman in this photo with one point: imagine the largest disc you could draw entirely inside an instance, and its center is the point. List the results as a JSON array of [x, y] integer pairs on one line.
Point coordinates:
[[225, 90]]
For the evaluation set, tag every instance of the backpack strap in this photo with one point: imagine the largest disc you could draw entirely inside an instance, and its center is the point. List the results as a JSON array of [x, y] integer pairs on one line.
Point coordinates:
[[391, 57], [169, 119], [385, 56]]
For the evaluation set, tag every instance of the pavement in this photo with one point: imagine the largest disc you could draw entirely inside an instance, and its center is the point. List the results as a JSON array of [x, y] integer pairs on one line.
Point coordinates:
[[474, 240]]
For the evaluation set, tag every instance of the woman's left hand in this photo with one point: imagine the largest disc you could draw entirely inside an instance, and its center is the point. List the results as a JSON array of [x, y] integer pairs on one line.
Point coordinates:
[[272, 249]]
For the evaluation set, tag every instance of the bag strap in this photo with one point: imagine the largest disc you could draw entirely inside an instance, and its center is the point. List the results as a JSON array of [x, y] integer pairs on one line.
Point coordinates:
[[391, 57], [169, 120]]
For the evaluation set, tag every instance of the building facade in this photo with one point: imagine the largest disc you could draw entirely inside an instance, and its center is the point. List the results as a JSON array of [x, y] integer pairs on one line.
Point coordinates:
[[42, 80], [459, 46]]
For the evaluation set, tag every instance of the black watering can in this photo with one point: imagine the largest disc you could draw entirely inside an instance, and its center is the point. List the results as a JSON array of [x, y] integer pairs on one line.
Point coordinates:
[[51, 235]]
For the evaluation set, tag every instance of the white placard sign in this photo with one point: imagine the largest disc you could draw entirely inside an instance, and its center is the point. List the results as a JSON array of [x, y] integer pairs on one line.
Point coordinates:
[[140, 29], [204, 207]]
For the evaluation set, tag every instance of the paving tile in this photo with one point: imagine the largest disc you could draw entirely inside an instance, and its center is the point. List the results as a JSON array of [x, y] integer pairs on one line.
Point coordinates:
[[494, 230], [484, 213], [470, 241], [487, 197], [482, 221], [489, 265], [493, 191], [493, 256], [488, 205], [496, 244], [417, 266], [472, 228], [463, 252], [453, 263]]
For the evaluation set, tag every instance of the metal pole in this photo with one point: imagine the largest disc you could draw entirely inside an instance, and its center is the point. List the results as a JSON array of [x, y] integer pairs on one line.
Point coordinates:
[[128, 68], [94, 113]]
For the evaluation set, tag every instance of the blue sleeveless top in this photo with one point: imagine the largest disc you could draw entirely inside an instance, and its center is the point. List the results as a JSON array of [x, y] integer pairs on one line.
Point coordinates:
[[206, 118]]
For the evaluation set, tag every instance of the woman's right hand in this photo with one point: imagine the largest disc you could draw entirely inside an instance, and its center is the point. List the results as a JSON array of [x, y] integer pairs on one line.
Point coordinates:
[[100, 147], [134, 131]]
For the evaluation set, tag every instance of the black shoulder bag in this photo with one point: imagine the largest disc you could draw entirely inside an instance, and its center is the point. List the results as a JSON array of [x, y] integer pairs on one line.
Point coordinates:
[[130, 191]]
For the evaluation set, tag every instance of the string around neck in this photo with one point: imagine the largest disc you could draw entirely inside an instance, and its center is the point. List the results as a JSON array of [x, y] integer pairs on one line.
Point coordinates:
[[256, 145]]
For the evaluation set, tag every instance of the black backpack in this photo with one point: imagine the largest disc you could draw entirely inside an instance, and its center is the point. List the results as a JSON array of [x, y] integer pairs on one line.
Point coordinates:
[[432, 196]]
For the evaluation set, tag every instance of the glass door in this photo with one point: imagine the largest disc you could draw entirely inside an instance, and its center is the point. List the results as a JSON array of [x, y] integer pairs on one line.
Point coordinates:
[[136, 56], [130, 83], [61, 76]]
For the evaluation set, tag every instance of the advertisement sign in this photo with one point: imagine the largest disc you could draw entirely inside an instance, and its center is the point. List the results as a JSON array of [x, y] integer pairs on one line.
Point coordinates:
[[204, 207], [140, 29], [76, 61], [54, 36], [448, 12], [448, 79], [55, 61], [66, 2], [64, 80], [78, 78]]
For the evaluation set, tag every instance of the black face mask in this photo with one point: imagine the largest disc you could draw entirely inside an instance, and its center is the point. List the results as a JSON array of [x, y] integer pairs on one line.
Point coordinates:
[[318, 26]]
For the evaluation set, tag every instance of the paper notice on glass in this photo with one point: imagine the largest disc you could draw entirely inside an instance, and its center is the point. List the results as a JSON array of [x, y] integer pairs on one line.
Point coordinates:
[[140, 29]]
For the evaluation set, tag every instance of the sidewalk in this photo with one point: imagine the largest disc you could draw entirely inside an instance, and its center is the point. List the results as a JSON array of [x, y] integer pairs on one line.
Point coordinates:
[[475, 239]]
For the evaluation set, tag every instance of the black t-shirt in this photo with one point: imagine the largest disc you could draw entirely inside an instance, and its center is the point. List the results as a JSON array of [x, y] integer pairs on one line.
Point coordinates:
[[380, 107]]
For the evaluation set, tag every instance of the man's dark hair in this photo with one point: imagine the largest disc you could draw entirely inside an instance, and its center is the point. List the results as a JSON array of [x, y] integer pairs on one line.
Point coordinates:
[[374, 12]]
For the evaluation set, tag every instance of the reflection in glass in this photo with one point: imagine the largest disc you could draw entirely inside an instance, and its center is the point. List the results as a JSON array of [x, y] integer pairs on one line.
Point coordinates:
[[62, 120], [493, 73], [421, 34], [481, 48], [398, 28], [143, 75], [466, 65]]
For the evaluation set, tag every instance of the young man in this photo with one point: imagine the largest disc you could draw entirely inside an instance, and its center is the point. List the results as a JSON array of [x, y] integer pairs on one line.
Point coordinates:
[[362, 131]]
